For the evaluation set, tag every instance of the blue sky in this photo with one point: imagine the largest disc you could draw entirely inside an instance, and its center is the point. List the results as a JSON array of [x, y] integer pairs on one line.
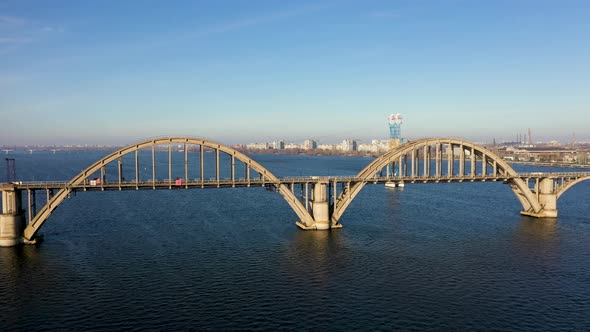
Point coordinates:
[[114, 72]]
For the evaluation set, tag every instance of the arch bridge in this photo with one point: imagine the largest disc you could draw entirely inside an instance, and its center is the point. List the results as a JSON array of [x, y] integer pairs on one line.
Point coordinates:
[[319, 202]]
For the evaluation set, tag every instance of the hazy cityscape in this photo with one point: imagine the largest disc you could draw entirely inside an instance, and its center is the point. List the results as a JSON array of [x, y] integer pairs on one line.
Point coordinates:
[[519, 151], [522, 149]]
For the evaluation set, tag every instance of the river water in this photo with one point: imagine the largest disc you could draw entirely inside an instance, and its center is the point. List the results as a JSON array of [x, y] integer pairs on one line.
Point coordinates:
[[452, 256]]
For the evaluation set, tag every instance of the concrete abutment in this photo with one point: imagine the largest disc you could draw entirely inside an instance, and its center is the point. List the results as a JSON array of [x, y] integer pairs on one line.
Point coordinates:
[[12, 219]]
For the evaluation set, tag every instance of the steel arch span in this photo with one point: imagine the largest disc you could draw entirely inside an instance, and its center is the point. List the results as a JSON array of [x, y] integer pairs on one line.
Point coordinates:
[[41, 217], [415, 159]]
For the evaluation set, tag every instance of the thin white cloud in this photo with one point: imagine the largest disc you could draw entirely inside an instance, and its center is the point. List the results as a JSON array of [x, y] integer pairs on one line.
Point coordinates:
[[384, 14], [14, 40], [254, 21], [159, 41], [16, 32], [12, 20]]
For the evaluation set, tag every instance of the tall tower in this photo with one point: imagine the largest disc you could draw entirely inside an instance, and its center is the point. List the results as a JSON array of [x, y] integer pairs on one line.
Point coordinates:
[[10, 170], [395, 130]]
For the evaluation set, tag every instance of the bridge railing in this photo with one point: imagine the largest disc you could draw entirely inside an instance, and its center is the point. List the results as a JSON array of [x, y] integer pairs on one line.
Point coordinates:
[[297, 179], [553, 174]]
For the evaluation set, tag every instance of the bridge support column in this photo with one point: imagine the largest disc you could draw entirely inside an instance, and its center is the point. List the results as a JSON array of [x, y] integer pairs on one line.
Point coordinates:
[[547, 198], [320, 208], [12, 219]]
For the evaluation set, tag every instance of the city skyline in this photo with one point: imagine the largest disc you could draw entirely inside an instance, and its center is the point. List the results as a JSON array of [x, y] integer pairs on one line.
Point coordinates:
[[306, 144], [239, 72]]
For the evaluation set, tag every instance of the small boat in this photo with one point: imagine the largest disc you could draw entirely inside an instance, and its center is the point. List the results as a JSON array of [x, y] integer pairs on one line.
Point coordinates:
[[392, 184]]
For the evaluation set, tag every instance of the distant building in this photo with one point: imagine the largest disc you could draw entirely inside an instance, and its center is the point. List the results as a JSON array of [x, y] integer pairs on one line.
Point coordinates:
[[349, 145], [376, 146], [278, 145], [366, 148], [327, 147], [257, 146], [310, 144], [582, 157]]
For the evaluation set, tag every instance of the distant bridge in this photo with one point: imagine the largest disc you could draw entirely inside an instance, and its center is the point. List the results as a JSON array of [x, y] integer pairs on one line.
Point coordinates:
[[319, 202]]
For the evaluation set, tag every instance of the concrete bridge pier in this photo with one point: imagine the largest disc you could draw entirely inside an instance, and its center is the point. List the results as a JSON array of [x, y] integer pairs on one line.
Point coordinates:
[[548, 198], [320, 208], [12, 219]]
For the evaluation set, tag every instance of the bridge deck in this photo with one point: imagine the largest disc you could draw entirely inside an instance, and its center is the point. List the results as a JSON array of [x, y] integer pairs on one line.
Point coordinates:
[[224, 183]]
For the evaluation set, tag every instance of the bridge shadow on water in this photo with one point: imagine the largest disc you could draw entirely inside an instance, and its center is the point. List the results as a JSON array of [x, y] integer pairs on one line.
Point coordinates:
[[321, 252], [539, 230], [536, 241]]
